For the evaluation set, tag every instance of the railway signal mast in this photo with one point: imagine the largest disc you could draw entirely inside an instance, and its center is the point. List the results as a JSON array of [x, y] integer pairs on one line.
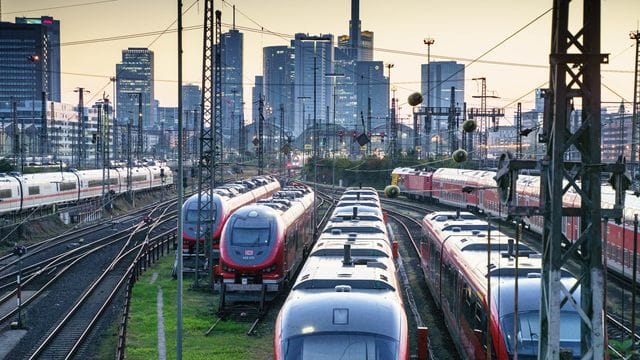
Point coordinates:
[[635, 129], [571, 75], [209, 163]]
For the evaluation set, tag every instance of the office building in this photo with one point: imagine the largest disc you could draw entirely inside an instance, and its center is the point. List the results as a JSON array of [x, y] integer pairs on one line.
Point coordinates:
[[279, 75], [135, 80], [30, 60], [442, 76], [231, 65], [310, 93]]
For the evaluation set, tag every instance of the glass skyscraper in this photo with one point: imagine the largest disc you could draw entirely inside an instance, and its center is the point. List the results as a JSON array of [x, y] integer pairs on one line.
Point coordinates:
[[279, 75], [29, 60], [135, 76]]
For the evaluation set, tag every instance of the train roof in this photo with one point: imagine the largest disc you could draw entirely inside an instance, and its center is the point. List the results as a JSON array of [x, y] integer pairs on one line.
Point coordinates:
[[404, 171], [361, 213], [320, 272], [362, 245], [351, 197], [450, 215], [339, 226], [287, 209], [350, 188], [361, 209], [371, 192], [343, 203], [309, 312]]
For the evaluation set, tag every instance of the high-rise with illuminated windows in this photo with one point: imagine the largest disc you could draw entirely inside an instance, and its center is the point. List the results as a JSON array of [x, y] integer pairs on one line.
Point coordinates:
[[135, 76], [29, 60]]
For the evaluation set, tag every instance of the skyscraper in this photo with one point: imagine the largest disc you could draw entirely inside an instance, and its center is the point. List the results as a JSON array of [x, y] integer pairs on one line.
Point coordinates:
[[304, 83], [191, 99], [135, 76], [30, 60], [372, 84], [53, 52], [231, 64], [354, 86], [278, 70], [256, 94], [443, 75]]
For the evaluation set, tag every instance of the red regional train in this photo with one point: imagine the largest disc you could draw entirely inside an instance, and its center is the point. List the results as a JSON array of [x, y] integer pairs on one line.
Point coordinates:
[[226, 200], [263, 245], [346, 303], [470, 267], [445, 186]]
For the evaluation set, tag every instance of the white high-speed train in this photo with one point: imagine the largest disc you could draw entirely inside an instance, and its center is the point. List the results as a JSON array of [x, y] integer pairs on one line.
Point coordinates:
[[21, 192]]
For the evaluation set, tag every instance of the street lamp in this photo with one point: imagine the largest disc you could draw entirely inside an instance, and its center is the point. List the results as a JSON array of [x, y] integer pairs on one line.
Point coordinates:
[[428, 42], [34, 59], [334, 77], [390, 125], [315, 39]]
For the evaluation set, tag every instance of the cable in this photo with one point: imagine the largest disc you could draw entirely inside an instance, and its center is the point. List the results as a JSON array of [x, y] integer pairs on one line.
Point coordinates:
[[60, 7], [152, 42]]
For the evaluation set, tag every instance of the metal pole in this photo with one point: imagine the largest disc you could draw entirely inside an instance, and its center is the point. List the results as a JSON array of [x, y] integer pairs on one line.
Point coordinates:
[[140, 147], [19, 290], [315, 141], [180, 191], [489, 287], [634, 277], [428, 42], [333, 146], [515, 292]]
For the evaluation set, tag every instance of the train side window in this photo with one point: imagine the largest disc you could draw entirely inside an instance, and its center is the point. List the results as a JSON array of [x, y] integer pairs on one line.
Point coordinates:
[[5, 193], [34, 190]]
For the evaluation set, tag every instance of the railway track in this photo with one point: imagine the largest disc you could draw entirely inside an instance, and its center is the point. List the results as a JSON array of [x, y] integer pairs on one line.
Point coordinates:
[[618, 326], [423, 309], [79, 290]]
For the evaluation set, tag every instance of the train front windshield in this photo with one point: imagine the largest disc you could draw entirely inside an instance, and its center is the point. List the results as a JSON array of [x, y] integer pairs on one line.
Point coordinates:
[[191, 215], [529, 332], [251, 236], [340, 346]]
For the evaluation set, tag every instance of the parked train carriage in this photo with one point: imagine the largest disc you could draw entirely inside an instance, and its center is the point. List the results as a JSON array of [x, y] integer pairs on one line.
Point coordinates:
[[329, 313], [362, 192], [161, 176], [359, 197], [264, 244], [340, 226], [447, 185], [225, 202], [462, 265], [31, 191], [362, 246], [91, 182], [23, 192], [357, 212], [413, 183]]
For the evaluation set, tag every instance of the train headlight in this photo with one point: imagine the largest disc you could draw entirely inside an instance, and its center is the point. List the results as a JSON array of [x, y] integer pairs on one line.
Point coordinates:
[[227, 269], [269, 269]]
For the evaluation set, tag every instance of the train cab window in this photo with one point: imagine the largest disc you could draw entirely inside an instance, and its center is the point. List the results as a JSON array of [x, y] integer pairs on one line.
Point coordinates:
[[528, 333], [340, 345], [191, 215], [5, 193], [251, 236]]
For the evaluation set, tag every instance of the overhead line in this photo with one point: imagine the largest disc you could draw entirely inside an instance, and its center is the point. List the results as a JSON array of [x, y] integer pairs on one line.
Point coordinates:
[[60, 7]]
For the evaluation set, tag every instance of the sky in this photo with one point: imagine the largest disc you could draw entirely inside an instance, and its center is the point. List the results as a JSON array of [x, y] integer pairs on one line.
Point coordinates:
[[463, 30]]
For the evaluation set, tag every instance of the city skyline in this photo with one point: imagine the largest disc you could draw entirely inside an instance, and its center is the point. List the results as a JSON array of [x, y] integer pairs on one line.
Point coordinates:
[[398, 40]]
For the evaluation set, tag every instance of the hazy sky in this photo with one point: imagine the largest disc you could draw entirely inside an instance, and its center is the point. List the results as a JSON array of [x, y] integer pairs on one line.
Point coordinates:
[[463, 30]]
